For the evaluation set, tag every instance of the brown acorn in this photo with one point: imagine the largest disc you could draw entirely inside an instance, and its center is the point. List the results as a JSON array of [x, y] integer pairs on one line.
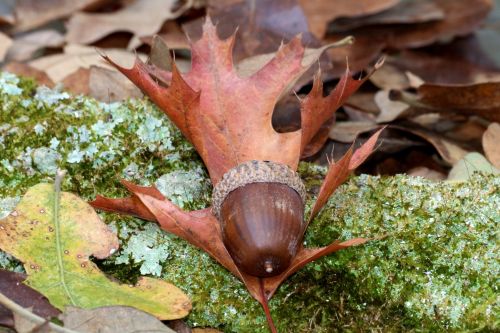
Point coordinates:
[[260, 207], [262, 227]]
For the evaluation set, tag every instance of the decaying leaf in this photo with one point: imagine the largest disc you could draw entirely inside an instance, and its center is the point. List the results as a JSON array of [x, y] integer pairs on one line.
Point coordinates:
[[58, 66], [261, 25], [472, 162], [34, 13], [491, 144], [389, 109], [319, 12], [25, 46], [54, 233], [110, 86], [77, 82], [348, 131], [23, 69], [481, 99], [404, 12], [5, 43], [142, 18], [12, 286], [112, 319]]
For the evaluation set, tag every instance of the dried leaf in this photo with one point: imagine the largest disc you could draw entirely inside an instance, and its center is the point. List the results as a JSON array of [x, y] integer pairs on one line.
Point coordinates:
[[110, 85], [112, 319], [390, 77], [348, 131], [23, 69], [449, 150], [77, 82], [141, 18], [426, 173], [229, 101], [261, 25], [319, 12], [472, 162], [26, 46], [443, 68], [491, 144], [12, 287], [339, 171], [173, 36], [481, 99], [46, 232], [5, 43], [7, 12], [58, 66], [34, 13], [389, 109], [405, 12]]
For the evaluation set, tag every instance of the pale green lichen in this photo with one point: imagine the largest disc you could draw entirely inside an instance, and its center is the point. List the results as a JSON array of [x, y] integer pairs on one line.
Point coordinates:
[[434, 268]]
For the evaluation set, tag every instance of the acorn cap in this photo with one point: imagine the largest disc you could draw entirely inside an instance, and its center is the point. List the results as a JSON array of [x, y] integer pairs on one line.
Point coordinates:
[[255, 172]]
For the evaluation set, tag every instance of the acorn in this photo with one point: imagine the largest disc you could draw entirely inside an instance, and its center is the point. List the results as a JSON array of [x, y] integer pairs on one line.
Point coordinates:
[[260, 207]]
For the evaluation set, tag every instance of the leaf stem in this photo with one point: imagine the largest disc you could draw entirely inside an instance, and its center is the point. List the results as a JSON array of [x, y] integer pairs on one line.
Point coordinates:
[[25, 313], [265, 306]]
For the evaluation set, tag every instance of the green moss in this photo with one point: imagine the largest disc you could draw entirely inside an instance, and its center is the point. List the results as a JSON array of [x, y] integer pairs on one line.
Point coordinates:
[[434, 267]]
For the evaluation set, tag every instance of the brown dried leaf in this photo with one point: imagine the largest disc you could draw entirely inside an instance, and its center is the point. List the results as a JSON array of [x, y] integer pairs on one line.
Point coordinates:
[[27, 45], [112, 319], [58, 66], [389, 109], [348, 131], [443, 68], [5, 43], [110, 85], [23, 69], [261, 25], [141, 18], [12, 286], [320, 12], [405, 12], [34, 13], [77, 82], [491, 144], [481, 99]]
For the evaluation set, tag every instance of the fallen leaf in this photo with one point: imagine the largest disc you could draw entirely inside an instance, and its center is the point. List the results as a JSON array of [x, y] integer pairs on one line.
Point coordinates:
[[472, 162], [404, 12], [390, 77], [348, 131], [320, 12], [77, 82], [482, 99], [442, 68], [261, 25], [389, 109], [58, 66], [7, 12], [5, 43], [34, 13], [12, 287], [449, 150], [491, 144], [110, 85], [23, 69], [24, 325], [141, 18], [26, 46], [112, 319], [426, 173], [173, 36], [54, 233]]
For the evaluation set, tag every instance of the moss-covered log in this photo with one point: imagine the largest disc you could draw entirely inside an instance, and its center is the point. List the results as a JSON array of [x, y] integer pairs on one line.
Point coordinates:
[[434, 265]]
